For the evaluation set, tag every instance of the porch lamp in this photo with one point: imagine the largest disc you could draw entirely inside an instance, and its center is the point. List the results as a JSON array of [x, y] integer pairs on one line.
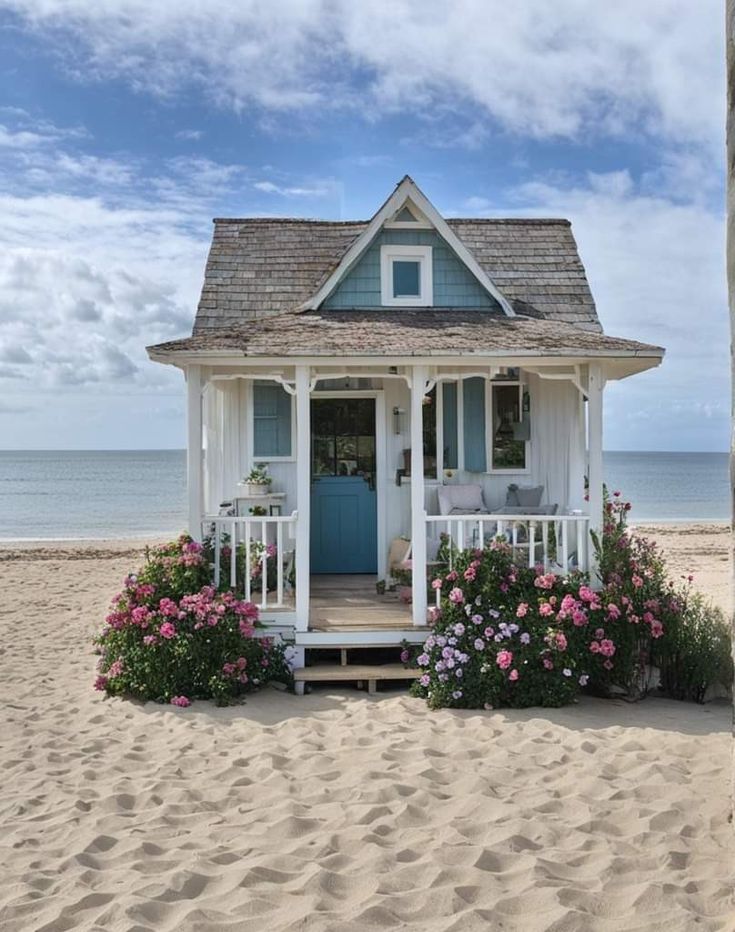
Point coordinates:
[[397, 412]]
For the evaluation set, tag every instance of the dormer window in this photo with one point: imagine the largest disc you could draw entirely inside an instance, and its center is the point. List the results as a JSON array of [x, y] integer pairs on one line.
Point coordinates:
[[406, 276]]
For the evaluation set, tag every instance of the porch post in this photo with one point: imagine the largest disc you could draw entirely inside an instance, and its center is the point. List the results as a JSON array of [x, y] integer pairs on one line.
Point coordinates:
[[194, 449], [303, 494], [594, 441], [418, 523]]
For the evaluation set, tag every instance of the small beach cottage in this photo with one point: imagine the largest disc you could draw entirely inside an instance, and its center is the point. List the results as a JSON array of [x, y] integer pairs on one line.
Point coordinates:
[[402, 377]]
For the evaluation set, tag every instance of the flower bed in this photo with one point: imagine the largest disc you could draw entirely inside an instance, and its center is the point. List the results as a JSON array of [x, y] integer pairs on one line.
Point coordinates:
[[512, 636], [171, 637]]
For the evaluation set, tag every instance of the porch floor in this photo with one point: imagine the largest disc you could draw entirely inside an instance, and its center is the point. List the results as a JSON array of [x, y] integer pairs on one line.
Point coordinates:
[[351, 603]]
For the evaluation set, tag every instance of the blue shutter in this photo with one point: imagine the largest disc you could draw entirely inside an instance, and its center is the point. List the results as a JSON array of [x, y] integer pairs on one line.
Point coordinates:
[[475, 457], [449, 420], [271, 421]]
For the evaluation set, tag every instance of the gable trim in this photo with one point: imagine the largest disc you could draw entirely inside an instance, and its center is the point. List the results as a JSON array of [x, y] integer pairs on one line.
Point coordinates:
[[406, 190]]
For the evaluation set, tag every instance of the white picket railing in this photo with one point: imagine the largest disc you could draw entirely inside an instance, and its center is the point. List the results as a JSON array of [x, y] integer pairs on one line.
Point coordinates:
[[570, 550], [251, 532]]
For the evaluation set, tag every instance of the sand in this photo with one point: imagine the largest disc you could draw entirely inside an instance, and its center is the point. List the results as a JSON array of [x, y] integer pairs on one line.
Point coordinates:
[[337, 811]]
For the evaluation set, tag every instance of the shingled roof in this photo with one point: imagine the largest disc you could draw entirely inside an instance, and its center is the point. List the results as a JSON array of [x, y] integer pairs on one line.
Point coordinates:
[[261, 267], [403, 332]]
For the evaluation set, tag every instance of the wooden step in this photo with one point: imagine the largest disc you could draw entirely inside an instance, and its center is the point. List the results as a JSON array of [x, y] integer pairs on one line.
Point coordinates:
[[353, 672]]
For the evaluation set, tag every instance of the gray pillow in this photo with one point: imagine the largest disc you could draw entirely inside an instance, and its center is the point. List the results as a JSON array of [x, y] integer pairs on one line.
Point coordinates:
[[511, 496], [529, 496]]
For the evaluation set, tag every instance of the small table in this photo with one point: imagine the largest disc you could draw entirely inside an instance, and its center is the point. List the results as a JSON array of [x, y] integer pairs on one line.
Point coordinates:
[[273, 501]]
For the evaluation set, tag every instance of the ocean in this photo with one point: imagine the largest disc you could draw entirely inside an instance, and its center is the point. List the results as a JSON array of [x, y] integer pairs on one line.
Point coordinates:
[[141, 493]]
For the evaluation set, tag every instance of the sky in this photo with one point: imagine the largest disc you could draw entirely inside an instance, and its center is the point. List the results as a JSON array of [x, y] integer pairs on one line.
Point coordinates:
[[126, 126]]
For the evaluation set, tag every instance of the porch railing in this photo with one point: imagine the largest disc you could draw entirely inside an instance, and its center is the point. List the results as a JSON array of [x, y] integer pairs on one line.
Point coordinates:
[[556, 542], [245, 548]]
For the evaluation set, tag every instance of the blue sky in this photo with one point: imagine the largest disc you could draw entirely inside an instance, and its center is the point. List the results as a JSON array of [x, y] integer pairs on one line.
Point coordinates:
[[126, 126]]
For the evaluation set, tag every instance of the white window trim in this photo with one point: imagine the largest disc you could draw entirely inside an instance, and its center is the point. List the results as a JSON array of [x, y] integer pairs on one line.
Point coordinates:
[[420, 254], [257, 458], [489, 409]]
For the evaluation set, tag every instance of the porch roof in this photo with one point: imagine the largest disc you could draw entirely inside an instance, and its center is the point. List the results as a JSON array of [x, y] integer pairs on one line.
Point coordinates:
[[404, 332]]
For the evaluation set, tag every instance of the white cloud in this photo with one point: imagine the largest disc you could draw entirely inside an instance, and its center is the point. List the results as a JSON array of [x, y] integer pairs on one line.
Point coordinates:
[[193, 135], [588, 69], [318, 190]]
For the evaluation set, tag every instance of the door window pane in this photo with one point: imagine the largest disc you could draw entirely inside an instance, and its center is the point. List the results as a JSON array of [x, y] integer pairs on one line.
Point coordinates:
[[343, 436]]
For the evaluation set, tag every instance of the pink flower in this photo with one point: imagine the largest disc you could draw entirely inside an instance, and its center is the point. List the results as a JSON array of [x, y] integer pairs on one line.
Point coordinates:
[[637, 581], [100, 683], [522, 610], [168, 631], [451, 577], [561, 641], [246, 628], [613, 611], [470, 573], [436, 583], [600, 633], [456, 596], [116, 669], [607, 648], [657, 629], [150, 640], [513, 675], [579, 618], [595, 647], [548, 664], [504, 659], [168, 607], [181, 701], [546, 609], [608, 664], [586, 594], [405, 656], [545, 582]]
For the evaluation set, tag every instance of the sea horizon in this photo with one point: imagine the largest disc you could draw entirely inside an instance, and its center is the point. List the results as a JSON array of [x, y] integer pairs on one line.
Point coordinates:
[[140, 494]]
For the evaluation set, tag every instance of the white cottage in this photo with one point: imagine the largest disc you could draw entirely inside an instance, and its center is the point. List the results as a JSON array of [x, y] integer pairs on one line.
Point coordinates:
[[401, 377]]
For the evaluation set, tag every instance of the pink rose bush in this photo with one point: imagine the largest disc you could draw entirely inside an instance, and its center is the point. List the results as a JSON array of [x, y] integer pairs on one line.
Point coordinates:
[[165, 642], [507, 635]]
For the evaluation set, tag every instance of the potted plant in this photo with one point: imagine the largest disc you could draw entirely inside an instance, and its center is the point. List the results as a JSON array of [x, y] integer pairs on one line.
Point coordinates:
[[257, 481]]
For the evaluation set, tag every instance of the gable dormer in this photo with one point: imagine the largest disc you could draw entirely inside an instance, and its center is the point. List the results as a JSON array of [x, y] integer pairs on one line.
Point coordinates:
[[408, 256]]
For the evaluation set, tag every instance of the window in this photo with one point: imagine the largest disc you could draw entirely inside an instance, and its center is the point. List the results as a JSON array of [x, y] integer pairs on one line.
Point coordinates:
[[406, 276], [272, 421], [510, 430]]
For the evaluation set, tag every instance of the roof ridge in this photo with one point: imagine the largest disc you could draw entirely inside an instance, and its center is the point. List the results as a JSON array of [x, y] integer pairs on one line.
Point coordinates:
[[520, 220]]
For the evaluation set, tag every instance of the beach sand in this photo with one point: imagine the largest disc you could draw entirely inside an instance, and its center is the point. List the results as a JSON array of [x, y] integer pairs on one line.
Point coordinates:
[[338, 811]]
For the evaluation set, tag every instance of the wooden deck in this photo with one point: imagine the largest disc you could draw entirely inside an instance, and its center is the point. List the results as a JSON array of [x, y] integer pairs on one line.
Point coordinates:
[[351, 603]]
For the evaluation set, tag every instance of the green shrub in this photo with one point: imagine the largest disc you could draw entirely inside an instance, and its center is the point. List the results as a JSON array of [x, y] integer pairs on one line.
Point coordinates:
[[172, 638], [696, 653]]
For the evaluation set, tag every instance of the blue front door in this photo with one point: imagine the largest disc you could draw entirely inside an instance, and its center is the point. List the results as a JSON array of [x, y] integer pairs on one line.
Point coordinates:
[[343, 499]]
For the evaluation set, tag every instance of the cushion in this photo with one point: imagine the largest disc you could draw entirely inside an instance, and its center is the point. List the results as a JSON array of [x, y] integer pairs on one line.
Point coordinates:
[[521, 510], [529, 496], [511, 496], [467, 497]]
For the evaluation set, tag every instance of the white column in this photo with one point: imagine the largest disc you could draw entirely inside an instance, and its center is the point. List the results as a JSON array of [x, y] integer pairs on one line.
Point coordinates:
[[194, 448], [594, 442], [418, 514], [303, 494]]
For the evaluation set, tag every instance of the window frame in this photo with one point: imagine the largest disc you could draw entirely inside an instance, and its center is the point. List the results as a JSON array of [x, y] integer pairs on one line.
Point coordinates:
[[265, 458], [402, 253], [490, 385]]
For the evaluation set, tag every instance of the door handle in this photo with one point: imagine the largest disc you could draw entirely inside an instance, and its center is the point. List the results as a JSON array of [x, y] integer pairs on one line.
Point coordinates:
[[370, 479]]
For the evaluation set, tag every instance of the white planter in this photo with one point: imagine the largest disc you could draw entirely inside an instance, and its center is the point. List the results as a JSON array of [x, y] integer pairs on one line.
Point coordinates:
[[255, 488]]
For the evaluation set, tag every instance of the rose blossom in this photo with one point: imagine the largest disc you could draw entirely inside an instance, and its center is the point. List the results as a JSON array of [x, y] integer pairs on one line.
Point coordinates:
[[504, 659], [456, 596]]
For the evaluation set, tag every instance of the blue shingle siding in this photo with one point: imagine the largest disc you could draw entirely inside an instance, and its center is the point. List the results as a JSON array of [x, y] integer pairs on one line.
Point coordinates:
[[454, 284]]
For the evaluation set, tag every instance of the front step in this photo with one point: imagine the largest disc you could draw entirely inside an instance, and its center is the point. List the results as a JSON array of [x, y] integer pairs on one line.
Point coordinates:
[[346, 637], [370, 673]]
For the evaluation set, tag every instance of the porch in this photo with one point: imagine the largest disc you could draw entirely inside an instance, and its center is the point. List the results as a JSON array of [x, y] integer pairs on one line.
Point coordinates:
[[316, 465]]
